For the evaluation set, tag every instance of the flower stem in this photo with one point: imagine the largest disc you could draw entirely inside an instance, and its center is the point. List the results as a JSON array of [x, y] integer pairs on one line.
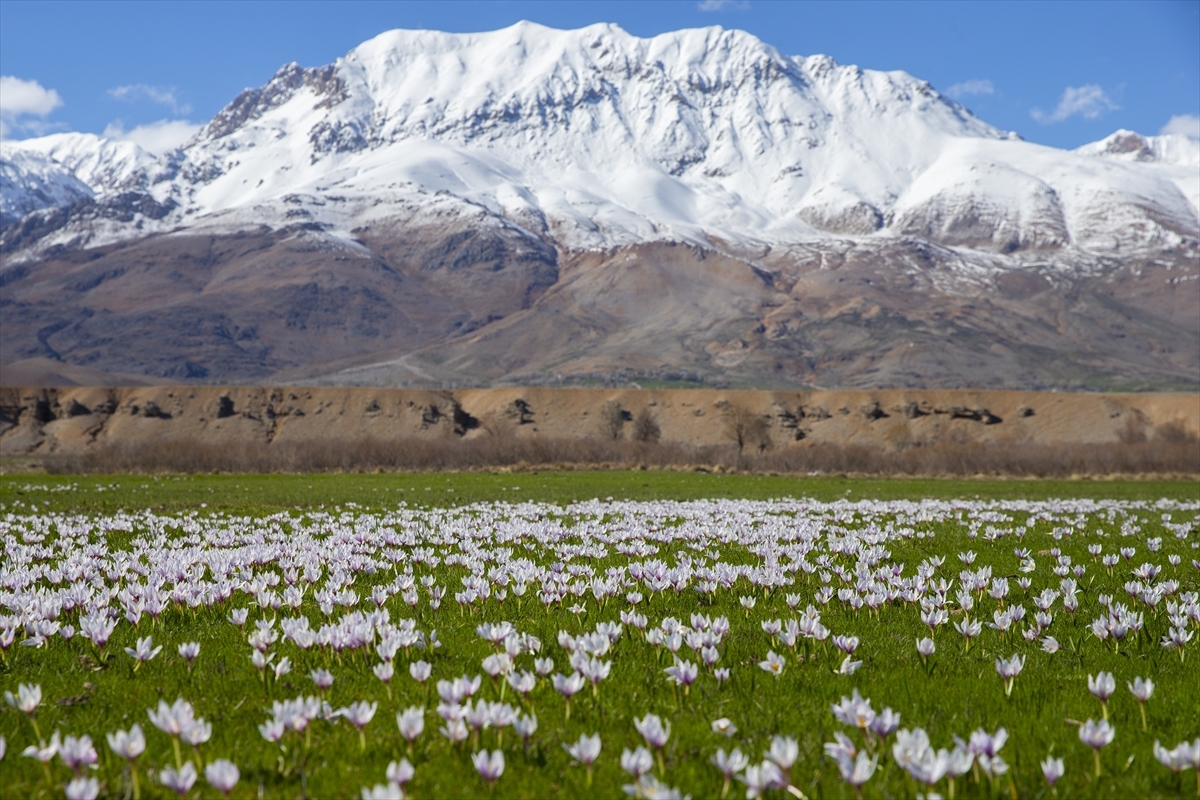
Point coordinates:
[[37, 731]]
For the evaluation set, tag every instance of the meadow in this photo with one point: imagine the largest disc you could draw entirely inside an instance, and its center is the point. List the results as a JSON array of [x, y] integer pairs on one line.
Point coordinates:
[[651, 634]]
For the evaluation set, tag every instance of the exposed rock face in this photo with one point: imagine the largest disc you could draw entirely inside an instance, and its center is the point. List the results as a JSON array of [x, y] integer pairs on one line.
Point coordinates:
[[251, 104], [835, 211], [967, 217]]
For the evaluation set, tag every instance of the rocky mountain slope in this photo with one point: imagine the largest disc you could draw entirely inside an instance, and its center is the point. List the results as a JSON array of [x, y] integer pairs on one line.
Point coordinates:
[[539, 206]]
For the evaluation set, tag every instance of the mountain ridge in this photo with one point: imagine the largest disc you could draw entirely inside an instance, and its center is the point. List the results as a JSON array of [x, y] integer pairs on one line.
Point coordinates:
[[476, 172]]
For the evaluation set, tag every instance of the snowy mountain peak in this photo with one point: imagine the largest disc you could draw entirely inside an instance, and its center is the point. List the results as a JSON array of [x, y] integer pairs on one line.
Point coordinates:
[[595, 137], [612, 138], [63, 168], [1174, 149], [30, 181], [103, 164], [253, 103]]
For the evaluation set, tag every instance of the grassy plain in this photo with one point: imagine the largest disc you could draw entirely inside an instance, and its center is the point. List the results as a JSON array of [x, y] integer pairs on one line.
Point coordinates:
[[263, 494], [952, 694]]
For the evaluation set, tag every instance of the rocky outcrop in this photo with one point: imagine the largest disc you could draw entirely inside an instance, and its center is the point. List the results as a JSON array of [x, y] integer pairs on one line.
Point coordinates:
[[251, 104]]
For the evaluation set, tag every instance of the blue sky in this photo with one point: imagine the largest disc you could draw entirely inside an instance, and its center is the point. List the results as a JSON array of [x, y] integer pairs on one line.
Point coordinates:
[[1058, 73]]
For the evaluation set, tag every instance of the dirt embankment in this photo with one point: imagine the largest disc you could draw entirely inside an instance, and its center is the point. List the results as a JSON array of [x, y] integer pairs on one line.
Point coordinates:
[[50, 421]]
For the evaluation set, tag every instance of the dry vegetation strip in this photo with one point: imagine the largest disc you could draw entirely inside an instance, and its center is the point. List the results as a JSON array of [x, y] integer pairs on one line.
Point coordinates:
[[1162, 456]]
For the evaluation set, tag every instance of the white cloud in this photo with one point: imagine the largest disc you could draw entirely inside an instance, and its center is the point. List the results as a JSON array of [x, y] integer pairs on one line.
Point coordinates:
[[969, 88], [20, 99], [163, 95], [156, 137], [721, 5], [1088, 102], [1186, 124]]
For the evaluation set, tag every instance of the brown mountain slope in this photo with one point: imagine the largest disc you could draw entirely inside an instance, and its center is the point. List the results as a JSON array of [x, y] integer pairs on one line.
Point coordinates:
[[473, 300], [868, 317], [243, 306]]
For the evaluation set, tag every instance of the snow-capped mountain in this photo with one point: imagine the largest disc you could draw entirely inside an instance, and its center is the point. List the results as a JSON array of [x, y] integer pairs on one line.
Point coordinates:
[[554, 146], [1175, 157], [62, 168], [1173, 150], [31, 181], [103, 164]]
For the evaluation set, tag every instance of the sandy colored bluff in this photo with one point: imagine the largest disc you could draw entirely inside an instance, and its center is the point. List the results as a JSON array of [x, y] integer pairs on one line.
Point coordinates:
[[65, 420]]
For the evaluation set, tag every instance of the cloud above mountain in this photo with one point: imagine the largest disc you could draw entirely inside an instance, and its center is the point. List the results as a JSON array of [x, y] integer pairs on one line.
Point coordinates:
[[971, 88], [1186, 124], [155, 137], [162, 95], [21, 99], [1089, 101]]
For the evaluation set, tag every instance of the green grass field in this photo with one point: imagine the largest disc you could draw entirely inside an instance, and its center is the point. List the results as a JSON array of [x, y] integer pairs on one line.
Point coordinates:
[[259, 494], [184, 531]]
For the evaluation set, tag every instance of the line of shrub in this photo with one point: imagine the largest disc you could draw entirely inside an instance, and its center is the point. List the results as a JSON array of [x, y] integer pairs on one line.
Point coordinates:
[[1157, 457]]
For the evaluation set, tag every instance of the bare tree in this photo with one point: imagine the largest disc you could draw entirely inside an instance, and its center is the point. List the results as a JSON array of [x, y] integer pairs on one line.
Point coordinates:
[[743, 427], [612, 419], [646, 427]]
